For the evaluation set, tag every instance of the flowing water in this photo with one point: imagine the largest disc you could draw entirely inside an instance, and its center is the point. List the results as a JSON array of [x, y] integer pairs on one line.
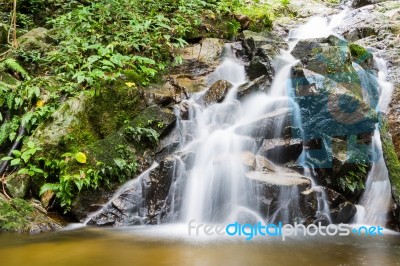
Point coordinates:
[[216, 190]]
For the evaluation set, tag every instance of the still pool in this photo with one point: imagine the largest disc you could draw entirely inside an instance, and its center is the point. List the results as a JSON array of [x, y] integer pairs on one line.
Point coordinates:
[[169, 245]]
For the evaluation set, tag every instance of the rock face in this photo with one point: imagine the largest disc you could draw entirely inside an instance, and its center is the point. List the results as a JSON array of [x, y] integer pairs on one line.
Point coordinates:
[[140, 201], [217, 92], [366, 26], [259, 50]]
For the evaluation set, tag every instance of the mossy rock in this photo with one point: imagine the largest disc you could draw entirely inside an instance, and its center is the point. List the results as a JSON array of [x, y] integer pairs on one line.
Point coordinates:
[[361, 56], [391, 160], [17, 185], [18, 215], [160, 119]]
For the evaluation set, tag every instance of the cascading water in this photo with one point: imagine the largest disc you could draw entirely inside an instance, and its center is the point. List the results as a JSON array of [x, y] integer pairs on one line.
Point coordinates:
[[376, 199], [219, 142]]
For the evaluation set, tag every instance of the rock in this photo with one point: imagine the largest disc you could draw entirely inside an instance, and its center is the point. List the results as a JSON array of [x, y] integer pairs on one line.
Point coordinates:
[[209, 51], [280, 150], [17, 185], [260, 84], [269, 42], [333, 62], [361, 3], [35, 39], [342, 211], [140, 201], [280, 179], [328, 108], [268, 187], [258, 67], [88, 202], [217, 92], [164, 119], [21, 216], [267, 126]]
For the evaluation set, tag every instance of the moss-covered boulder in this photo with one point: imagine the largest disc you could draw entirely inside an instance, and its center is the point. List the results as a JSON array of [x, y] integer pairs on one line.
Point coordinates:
[[18, 215], [17, 185], [35, 39]]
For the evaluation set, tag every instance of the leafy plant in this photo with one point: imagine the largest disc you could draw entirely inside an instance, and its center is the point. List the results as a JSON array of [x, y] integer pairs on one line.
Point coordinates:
[[354, 180], [24, 158], [139, 134]]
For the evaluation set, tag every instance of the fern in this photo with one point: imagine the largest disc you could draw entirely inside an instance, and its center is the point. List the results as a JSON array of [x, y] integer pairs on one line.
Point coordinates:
[[14, 66], [49, 187]]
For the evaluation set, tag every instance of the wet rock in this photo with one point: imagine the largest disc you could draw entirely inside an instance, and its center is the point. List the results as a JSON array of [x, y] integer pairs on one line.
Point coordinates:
[[267, 126], [258, 67], [333, 62], [268, 187], [341, 210], [217, 92], [260, 84], [281, 150], [88, 202]]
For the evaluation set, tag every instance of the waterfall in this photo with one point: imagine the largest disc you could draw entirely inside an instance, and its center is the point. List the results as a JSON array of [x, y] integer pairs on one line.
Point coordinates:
[[375, 201], [219, 163]]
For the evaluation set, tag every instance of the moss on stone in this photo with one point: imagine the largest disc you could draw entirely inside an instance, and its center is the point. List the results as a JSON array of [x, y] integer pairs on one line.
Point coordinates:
[[18, 215], [391, 160], [14, 215], [359, 53]]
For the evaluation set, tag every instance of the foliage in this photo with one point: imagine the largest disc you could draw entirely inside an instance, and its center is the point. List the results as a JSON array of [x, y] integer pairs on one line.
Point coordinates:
[[354, 180], [12, 65], [140, 134], [98, 41], [261, 13]]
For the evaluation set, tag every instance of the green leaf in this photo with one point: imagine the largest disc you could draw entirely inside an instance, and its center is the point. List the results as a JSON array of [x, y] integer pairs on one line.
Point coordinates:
[[80, 157], [25, 156], [16, 153], [6, 158], [31, 145], [15, 162], [23, 171], [49, 187]]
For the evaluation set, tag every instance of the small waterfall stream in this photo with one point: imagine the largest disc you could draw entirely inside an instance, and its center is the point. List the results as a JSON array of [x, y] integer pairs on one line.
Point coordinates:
[[218, 142]]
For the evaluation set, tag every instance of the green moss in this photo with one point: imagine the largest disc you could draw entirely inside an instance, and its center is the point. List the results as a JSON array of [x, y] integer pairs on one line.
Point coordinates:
[[15, 215], [392, 162], [359, 53]]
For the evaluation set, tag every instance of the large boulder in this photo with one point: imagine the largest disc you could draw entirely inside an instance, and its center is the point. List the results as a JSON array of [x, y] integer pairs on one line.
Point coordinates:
[[18, 215], [141, 200]]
